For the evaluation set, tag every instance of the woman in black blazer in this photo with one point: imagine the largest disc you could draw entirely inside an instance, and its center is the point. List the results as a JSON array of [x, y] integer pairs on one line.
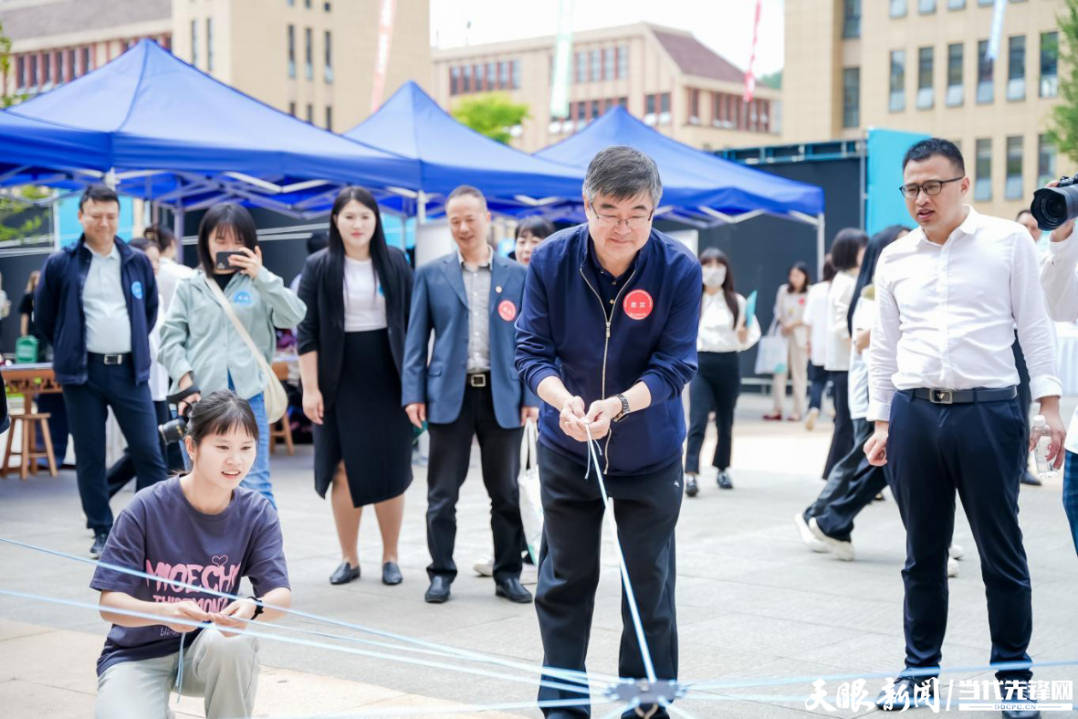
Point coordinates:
[[358, 293]]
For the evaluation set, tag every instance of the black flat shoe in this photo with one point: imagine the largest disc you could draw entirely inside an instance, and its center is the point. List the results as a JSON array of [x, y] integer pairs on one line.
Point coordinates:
[[1032, 481], [438, 592], [99, 544], [724, 480], [512, 590], [344, 574], [691, 487], [391, 574]]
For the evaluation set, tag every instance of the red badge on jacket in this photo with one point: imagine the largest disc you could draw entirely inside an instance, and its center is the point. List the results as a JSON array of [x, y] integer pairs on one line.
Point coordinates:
[[507, 310], [638, 304]]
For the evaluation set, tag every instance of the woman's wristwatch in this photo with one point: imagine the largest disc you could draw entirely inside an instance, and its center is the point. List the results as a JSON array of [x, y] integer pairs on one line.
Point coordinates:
[[259, 608], [624, 408]]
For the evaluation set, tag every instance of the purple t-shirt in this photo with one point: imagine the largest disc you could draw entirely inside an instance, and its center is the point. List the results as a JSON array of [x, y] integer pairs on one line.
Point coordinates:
[[160, 533]]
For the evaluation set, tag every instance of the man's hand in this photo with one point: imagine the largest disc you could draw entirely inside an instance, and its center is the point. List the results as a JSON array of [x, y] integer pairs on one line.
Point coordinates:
[[861, 340], [235, 616], [1058, 433], [876, 446], [572, 420], [312, 405], [186, 610], [601, 413], [1062, 232], [742, 334], [527, 413], [417, 413]]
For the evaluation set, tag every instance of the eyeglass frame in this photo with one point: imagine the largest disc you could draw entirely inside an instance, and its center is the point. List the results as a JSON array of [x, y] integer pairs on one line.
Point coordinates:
[[631, 223], [921, 187]]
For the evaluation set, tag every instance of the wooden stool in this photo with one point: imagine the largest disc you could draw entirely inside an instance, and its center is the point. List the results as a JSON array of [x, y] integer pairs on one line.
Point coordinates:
[[282, 431], [28, 454]]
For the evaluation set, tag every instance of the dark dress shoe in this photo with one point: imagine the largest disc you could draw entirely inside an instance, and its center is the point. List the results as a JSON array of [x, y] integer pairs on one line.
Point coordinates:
[[1030, 479], [391, 574], [691, 488], [99, 544], [438, 592], [344, 574], [907, 693], [724, 480], [512, 590]]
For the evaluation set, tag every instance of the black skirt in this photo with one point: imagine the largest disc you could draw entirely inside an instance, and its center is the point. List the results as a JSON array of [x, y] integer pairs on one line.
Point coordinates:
[[366, 425]]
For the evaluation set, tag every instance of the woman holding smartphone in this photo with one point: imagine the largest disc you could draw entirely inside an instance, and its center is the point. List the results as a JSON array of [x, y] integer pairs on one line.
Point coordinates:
[[200, 346]]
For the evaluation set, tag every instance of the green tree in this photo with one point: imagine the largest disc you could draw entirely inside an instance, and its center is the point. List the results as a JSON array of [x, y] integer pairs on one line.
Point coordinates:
[[5, 66], [773, 80], [1063, 129], [492, 115]]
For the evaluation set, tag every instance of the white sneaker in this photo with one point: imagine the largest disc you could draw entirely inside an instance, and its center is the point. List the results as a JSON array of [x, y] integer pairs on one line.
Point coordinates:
[[529, 575], [485, 568], [806, 535], [810, 420], [956, 551], [952, 567], [841, 550]]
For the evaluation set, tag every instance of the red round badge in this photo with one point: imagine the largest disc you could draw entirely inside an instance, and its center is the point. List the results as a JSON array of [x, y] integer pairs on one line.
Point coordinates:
[[507, 310], [638, 304]]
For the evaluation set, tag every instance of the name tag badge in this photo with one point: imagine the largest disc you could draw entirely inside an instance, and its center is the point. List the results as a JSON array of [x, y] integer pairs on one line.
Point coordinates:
[[136, 290], [638, 304], [242, 299], [507, 310]]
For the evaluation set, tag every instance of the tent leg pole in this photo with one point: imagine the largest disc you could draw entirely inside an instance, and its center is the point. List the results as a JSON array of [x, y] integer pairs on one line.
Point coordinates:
[[819, 246], [421, 208], [177, 229]]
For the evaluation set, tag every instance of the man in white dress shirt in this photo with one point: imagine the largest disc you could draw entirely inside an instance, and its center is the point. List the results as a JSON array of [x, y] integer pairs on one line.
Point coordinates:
[[943, 396]]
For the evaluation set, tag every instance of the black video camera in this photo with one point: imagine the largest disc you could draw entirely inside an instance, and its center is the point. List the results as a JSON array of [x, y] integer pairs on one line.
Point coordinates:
[[175, 429], [1052, 206]]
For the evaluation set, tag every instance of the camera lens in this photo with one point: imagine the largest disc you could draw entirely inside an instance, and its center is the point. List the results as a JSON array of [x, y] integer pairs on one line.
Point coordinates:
[[1052, 206]]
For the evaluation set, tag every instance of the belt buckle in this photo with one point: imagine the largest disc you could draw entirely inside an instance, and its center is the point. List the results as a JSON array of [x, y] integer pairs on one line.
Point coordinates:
[[113, 359], [941, 396], [477, 380]]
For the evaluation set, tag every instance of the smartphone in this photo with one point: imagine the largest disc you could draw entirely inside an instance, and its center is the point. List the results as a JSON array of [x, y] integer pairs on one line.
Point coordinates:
[[222, 262]]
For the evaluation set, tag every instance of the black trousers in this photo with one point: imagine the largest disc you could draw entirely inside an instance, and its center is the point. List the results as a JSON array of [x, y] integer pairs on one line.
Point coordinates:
[[1025, 396], [450, 451], [842, 437], [123, 470], [818, 378], [646, 509], [716, 385], [836, 509], [87, 409], [975, 449]]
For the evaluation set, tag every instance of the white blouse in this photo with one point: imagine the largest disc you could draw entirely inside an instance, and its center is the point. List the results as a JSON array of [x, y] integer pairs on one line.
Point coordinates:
[[364, 302], [718, 332]]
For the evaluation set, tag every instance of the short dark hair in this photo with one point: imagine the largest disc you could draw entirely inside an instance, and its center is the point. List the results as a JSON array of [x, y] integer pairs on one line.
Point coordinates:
[[935, 146], [1023, 211], [537, 226], [98, 193], [462, 190], [220, 412], [142, 244], [622, 172], [848, 242], [318, 240], [225, 214], [161, 236]]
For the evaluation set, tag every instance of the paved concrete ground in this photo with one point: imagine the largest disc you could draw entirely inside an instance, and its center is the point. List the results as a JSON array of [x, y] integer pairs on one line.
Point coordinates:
[[753, 603]]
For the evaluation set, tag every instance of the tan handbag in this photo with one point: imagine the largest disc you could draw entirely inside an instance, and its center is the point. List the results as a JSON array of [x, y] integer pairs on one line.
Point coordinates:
[[273, 394]]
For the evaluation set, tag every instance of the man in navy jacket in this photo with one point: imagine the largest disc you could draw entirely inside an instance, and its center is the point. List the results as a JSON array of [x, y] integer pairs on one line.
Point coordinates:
[[96, 303], [470, 298], [607, 339]]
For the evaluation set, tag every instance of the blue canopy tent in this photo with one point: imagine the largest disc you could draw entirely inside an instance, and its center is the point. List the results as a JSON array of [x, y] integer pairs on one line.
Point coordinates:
[[698, 188], [177, 136], [413, 125], [32, 151]]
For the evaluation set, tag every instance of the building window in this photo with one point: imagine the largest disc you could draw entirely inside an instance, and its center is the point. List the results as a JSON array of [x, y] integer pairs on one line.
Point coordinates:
[[327, 73], [609, 63], [926, 7], [307, 4], [58, 61], [492, 75], [33, 71], [650, 109], [516, 74], [1016, 67], [897, 102], [694, 106], [480, 78], [956, 4], [596, 65], [194, 43], [955, 57], [925, 65], [1046, 161], [454, 79], [984, 3], [292, 109], [851, 97], [86, 60], [310, 113], [46, 69], [292, 51], [664, 108], [898, 8], [851, 18], [20, 72], [985, 74], [329, 118], [209, 44], [623, 62], [1049, 64], [503, 74], [71, 73], [594, 109], [327, 6], [1012, 190], [580, 67], [308, 53], [466, 78], [982, 183]]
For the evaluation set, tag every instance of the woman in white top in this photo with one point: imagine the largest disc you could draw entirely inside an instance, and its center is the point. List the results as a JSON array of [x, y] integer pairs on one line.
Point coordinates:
[[351, 343], [790, 314], [815, 319], [723, 334], [846, 253]]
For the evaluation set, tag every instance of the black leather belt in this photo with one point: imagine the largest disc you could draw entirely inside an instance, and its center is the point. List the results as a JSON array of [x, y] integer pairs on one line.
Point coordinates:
[[112, 359], [963, 396], [479, 379]]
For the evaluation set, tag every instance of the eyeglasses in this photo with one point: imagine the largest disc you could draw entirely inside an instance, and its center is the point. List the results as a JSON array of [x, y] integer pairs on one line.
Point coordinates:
[[931, 188], [632, 223]]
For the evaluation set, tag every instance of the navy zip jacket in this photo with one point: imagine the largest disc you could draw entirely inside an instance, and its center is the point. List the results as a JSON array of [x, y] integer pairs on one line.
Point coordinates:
[[562, 331], [59, 316]]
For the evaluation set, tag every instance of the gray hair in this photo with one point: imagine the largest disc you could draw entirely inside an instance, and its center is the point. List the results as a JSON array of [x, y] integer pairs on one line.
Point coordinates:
[[622, 172]]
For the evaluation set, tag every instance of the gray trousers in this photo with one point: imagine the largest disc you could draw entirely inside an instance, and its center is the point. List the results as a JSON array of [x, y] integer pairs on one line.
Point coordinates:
[[222, 670]]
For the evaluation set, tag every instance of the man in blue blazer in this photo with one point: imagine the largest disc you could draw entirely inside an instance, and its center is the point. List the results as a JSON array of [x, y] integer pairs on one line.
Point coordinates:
[[469, 387]]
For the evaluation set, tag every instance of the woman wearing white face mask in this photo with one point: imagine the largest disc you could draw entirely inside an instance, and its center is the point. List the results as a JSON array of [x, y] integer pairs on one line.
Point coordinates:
[[723, 335]]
